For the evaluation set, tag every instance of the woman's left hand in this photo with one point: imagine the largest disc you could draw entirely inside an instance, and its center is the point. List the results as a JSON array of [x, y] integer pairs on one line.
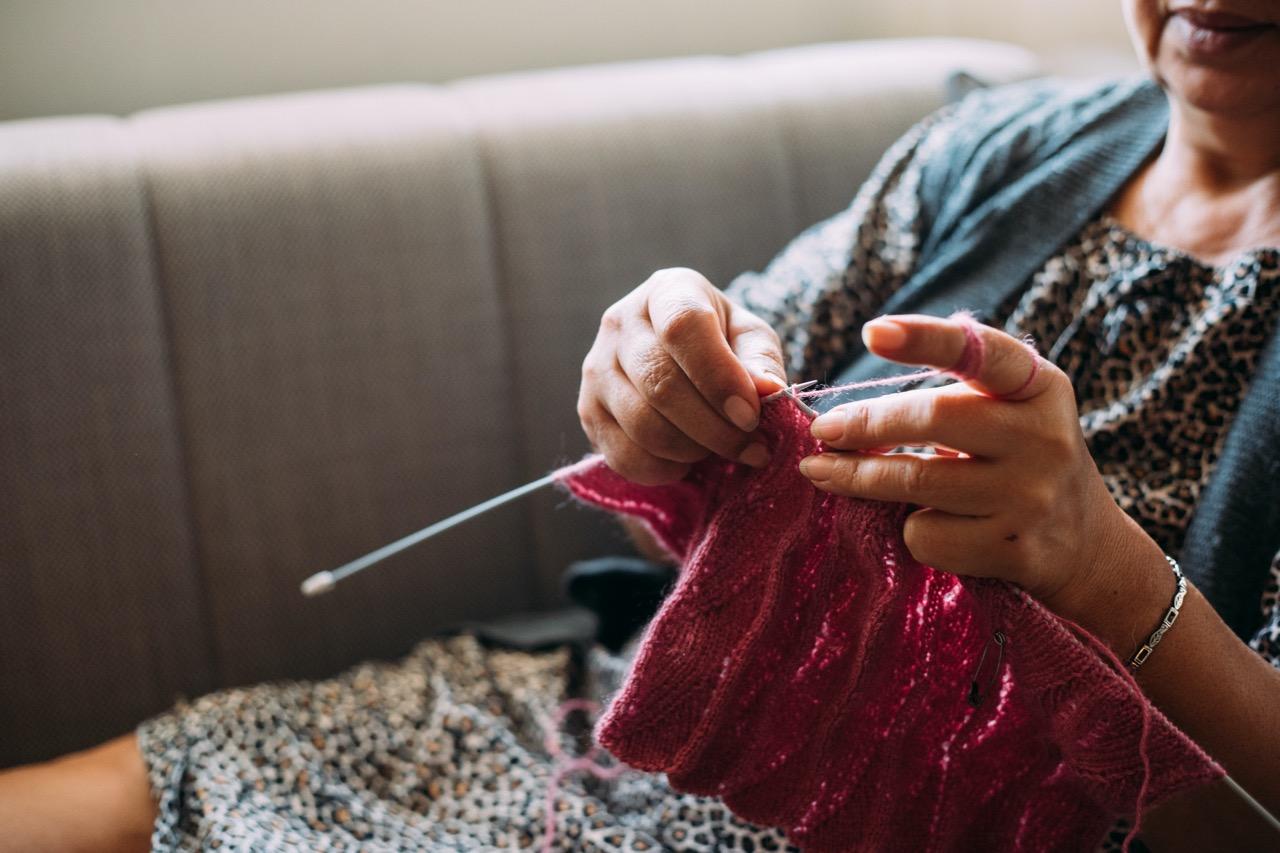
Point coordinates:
[[1013, 494]]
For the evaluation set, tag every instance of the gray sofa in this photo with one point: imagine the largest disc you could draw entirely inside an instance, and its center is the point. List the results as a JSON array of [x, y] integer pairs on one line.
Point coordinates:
[[248, 340]]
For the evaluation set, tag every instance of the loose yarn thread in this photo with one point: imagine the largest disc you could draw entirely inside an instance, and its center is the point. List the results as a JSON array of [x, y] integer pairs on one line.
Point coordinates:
[[563, 765]]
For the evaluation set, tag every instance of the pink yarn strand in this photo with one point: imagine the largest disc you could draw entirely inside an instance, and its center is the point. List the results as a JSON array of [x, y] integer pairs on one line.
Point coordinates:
[[564, 765], [1144, 751], [973, 356]]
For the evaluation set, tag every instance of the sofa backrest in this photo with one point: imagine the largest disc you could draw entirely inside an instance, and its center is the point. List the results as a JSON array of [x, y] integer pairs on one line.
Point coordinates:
[[249, 340]]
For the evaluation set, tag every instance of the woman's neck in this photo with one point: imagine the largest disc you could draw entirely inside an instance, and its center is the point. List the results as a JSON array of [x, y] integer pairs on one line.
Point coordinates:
[[1213, 190], [1222, 154]]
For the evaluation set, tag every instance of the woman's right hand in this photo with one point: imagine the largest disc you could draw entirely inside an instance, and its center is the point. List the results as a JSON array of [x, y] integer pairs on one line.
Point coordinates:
[[676, 373]]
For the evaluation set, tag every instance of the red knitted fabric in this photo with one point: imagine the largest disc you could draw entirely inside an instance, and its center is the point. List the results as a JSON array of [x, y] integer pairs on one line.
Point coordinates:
[[811, 673]]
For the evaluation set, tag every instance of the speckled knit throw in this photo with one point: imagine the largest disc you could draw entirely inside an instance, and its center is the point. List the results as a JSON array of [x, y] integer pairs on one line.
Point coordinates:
[[811, 673]]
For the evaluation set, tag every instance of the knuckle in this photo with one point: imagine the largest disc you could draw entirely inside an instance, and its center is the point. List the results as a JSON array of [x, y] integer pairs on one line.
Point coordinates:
[[586, 413], [660, 381], [676, 275], [611, 320], [915, 476], [1003, 359], [685, 322], [773, 353], [1060, 445], [590, 369], [1046, 496], [1036, 499], [949, 406], [860, 421], [1060, 386], [774, 339], [759, 326], [847, 468]]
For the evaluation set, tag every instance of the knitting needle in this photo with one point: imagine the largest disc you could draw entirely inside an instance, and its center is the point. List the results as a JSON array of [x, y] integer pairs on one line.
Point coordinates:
[[1261, 810], [322, 582]]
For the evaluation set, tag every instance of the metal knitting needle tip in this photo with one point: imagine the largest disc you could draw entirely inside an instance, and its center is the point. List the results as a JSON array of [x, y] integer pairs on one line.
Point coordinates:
[[318, 584], [790, 390], [790, 393]]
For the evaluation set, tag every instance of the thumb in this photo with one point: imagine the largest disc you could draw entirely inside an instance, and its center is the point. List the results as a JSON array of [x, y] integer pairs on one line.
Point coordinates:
[[757, 347]]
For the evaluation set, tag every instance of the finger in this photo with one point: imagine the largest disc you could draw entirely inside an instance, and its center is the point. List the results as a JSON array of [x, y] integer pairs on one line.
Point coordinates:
[[646, 368], [961, 544], [624, 456], [644, 425], [951, 416], [961, 486], [758, 348], [693, 327], [989, 360]]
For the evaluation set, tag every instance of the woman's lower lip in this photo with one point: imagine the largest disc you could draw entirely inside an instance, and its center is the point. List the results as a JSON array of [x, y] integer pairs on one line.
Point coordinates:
[[1206, 42]]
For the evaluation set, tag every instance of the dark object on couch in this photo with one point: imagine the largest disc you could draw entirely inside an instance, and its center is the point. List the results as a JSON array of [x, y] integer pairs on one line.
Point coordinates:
[[623, 592]]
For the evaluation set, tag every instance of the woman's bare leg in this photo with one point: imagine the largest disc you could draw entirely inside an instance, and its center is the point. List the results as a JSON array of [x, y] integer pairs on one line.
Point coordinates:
[[96, 800]]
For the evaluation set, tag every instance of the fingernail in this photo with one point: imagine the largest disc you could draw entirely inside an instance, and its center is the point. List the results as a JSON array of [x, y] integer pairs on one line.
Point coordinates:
[[828, 427], [817, 467], [883, 334], [774, 378], [741, 413], [756, 455]]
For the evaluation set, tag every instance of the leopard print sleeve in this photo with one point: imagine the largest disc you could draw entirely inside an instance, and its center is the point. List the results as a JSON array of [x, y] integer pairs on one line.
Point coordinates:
[[833, 277], [1266, 641]]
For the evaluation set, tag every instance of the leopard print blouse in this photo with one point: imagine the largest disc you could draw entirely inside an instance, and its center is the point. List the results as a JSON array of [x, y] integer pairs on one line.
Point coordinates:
[[445, 749]]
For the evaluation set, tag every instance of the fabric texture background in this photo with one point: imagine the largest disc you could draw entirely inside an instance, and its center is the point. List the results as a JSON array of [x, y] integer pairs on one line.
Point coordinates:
[[102, 611]]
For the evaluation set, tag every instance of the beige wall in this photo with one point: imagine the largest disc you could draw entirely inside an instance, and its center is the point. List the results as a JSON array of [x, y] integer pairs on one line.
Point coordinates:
[[116, 56]]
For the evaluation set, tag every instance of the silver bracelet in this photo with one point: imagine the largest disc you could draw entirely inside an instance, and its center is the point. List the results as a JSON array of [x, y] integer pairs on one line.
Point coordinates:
[[1141, 655]]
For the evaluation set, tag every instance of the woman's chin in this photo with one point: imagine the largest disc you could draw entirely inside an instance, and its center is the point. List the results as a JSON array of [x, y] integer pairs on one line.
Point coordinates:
[[1226, 91]]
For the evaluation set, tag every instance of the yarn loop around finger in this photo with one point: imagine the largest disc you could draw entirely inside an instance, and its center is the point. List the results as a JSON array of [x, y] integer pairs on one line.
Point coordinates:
[[975, 364]]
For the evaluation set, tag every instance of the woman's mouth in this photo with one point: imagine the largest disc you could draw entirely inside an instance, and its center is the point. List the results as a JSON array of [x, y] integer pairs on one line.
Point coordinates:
[[1204, 34]]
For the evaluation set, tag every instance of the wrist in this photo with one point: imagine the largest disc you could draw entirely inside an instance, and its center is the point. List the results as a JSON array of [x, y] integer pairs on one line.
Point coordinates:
[[1122, 591]]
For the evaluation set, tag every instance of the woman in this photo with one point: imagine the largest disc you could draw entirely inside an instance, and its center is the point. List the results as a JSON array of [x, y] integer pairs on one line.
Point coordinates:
[[1152, 315]]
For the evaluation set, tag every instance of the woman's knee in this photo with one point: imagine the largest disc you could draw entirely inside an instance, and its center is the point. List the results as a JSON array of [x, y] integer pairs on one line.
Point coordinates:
[[96, 799]]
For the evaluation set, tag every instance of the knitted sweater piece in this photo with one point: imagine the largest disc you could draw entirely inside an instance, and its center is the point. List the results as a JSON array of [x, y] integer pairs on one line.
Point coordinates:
[[812, 674]]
